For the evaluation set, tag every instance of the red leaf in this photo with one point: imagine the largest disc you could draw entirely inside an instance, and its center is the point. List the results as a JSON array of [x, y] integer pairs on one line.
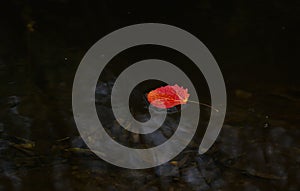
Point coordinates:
[[168, 96]]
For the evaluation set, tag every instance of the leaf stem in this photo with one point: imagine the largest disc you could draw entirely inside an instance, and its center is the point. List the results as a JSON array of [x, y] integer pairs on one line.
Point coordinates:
[[204, 105]]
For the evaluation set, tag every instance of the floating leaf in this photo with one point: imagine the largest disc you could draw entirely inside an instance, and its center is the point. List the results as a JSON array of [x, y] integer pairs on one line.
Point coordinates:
[[168, 96]]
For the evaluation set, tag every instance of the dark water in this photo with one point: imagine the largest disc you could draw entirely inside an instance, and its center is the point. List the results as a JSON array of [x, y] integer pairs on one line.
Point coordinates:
[[256, 45]]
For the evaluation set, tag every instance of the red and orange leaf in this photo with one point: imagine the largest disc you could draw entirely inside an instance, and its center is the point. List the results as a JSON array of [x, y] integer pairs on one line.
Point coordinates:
[[168, 96]]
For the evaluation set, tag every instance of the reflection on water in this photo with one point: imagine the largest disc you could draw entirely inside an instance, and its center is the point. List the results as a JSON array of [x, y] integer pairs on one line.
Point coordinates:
[[40, 148]]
